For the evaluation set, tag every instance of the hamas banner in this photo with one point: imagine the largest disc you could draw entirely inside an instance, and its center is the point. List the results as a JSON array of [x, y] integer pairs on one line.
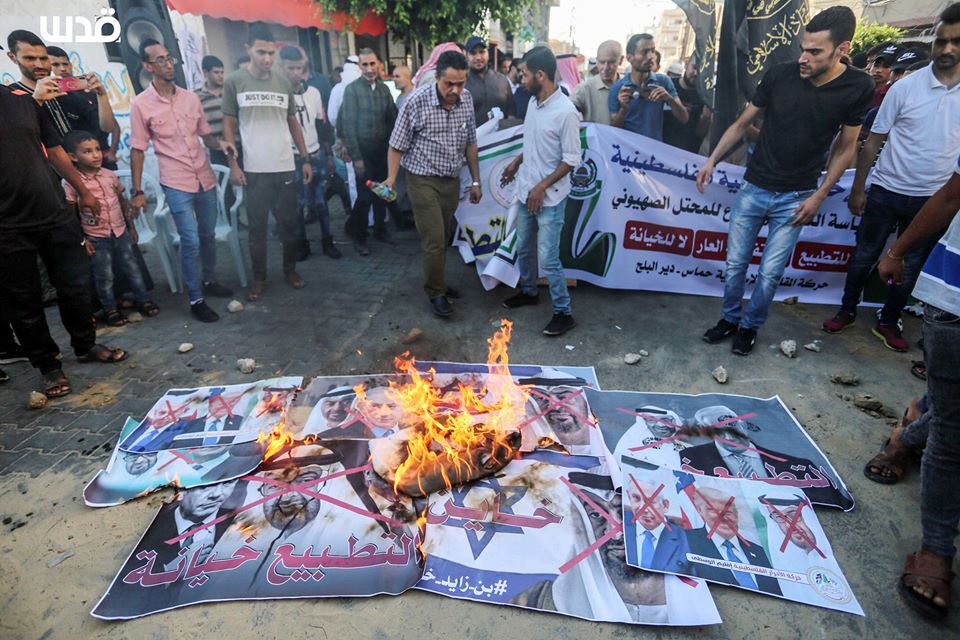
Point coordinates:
[[635, 220]]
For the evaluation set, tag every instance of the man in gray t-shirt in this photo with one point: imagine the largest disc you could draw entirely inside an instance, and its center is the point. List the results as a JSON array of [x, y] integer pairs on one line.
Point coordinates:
[[258, 105]]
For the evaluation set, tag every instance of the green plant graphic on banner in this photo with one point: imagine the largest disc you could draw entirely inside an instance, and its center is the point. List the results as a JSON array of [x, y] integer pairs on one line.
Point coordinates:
[[593, 253]]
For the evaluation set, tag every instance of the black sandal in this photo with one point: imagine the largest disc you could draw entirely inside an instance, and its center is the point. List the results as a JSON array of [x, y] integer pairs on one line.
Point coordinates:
[[114, 318], [919, 369], [100, 353], [149, 309], [55, 384]]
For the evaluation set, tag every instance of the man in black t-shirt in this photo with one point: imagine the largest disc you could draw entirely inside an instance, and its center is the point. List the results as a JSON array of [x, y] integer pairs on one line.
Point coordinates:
[[35, 222], [805, 104], [687, 135]]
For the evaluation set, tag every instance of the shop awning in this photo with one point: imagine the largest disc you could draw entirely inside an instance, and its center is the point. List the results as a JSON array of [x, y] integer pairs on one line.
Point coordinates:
[[290, 13]]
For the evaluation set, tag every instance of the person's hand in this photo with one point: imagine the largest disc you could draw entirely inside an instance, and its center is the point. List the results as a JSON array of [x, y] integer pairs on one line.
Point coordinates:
[[624, 96], [93, 84], [47, 89], [659, 94], [807, 209], [237, 177], [535, 199], [509, 174], [475, 194], [389, 182], [704, 176], [890, 269], [858, 201], [359, 169], [89, 247], [86, 200], [307, 172], [228, 149], [137, 204], [109, 155]]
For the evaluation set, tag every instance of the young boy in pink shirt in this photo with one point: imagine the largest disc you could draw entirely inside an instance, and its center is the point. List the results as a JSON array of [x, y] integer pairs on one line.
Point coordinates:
[[110, 234]]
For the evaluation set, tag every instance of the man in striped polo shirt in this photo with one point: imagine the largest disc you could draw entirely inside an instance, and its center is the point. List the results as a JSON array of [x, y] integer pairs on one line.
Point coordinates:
[[210, 95]]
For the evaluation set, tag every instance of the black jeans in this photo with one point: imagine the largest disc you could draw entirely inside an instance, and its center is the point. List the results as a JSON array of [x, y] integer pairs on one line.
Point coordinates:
[[20, 294], [375, 168], [886, 212], [277, 192]]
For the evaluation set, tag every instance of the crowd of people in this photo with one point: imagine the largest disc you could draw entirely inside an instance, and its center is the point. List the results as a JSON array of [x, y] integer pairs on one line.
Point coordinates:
[[292, 138]]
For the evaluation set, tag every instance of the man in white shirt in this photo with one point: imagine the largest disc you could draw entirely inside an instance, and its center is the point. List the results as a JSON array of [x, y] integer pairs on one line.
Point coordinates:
[[920, 121], [591, 97], [551, 149]]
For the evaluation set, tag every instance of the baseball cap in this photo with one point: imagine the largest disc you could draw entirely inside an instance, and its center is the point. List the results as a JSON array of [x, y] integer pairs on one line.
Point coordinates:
[[910, 56], [889, 53], [473, 42]]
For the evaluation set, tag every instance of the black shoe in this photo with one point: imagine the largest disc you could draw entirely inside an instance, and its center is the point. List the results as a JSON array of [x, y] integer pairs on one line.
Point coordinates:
[[304, 251], [520, 300], [384, 237], [721, 330], [329, 249], [3, 376], [216, 290], [441, 306], [743, 342], [13, 354], [203, 313], [559, 324], [361, 247], [451, 293]]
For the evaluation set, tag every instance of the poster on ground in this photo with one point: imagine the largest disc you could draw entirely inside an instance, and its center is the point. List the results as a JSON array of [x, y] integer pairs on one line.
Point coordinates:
[[746, 534], [719, 435]]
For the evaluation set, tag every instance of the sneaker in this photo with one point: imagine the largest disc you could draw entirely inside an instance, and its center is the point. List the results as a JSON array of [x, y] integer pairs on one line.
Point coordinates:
[[743, 342], [216, 290], [441, 306], [3, 376], [521, 299], [891, 336], [839, 322], [13, 354], [203, 313], [719, 331], [559, 324], [303, 253]]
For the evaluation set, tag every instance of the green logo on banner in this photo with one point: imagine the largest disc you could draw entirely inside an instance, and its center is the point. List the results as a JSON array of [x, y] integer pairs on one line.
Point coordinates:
[[592, 253]]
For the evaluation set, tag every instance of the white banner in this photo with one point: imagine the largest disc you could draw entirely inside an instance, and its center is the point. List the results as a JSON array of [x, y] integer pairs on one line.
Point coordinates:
[[635, 220]]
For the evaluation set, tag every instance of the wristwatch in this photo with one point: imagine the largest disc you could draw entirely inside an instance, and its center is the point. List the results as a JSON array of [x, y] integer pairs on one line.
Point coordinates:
[[475, 183], [138, 192]]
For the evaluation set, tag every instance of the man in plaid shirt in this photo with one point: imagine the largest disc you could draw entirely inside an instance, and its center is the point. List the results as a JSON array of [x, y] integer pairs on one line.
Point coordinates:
[[365, 121], [435, 132]]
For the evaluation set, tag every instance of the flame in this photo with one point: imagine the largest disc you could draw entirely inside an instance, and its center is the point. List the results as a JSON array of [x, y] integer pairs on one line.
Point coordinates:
[[453, 434], [279, 438]]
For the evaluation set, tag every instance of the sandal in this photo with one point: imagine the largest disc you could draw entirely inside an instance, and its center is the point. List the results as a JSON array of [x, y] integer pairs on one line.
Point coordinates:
[[889, 466], [294, 280], [926, 569], [149, 309], [114, 318], [55, 384], [256, 290], [919, 369], [126, 303], [100, 353]]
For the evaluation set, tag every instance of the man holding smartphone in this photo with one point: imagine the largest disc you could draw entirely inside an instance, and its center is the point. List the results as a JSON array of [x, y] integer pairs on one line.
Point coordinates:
[[637, 101]]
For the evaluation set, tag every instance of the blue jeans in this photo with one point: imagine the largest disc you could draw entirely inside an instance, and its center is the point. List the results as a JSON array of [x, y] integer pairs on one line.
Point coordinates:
[[885, 213], [314, 195], [195, 215], [102, 265], [940, 470], [538, 240], [754, 207]]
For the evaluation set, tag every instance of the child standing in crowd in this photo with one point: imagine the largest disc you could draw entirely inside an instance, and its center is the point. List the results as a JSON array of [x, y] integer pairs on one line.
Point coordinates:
[[112, 233]]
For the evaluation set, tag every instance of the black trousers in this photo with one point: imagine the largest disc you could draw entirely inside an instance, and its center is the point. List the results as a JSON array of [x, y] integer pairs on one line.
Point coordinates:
[[375, 168], [276, 192], [68, 267]]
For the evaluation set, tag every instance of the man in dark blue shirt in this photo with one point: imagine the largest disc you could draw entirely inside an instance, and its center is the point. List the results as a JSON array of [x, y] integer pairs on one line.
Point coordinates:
[[637, 101]]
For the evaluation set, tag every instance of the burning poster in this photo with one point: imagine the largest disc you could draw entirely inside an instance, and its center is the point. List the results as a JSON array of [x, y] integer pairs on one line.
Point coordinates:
[[546, 533], [719, 435], [311, 521], [742, 533], [207, 416], [131, 474]]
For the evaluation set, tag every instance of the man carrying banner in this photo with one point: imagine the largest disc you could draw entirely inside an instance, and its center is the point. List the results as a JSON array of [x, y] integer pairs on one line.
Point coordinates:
[[804, 105], [551, 149], [919, 122]]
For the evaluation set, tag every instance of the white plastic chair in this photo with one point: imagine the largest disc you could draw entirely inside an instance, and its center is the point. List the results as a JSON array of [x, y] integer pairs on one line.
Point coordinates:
[[150, 224], [227, 229]]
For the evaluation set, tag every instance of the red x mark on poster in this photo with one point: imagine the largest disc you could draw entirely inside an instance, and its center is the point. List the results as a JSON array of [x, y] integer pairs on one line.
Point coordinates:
[[793, 527], [648, 503], [617, 528], [225, 410], [555, 404], [177, 455]]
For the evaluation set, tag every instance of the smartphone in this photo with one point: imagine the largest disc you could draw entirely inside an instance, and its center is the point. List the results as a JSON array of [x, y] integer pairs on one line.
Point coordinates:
[[71, 84]]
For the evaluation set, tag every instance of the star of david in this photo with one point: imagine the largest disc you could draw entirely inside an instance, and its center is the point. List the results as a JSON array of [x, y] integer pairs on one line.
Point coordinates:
[[481, 534]]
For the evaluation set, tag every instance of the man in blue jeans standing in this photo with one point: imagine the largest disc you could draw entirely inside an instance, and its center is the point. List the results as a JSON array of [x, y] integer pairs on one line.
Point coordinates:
[[172, 119], [920, 122], [551, 149], [804, 105]]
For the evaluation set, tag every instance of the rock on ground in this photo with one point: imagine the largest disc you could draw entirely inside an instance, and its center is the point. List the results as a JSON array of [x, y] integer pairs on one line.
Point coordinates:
[[185, 347], [632, 358], [412, 336], [36, 400], [846, 379], [246, 365], [235, 306], [813, 346], [720, 375], [789, 348]]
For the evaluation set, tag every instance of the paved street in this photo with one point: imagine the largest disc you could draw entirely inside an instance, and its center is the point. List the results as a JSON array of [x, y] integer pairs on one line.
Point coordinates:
[[351, 318]]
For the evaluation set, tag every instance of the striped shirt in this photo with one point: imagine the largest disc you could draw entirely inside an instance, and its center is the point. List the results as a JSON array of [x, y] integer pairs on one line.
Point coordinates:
[[212, 111], [431, 138], [53, 108], [939, 281]]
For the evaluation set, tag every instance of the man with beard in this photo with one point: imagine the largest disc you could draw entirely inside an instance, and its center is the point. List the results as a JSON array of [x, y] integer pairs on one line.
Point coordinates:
[[812, 112], [138, 464], [567, 415], [637, 101], [662, 546], [721, 516], [650, 438]]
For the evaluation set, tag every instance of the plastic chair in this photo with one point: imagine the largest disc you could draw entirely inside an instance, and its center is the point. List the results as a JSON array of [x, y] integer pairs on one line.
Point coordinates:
[[227, 229], [150, 224]]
